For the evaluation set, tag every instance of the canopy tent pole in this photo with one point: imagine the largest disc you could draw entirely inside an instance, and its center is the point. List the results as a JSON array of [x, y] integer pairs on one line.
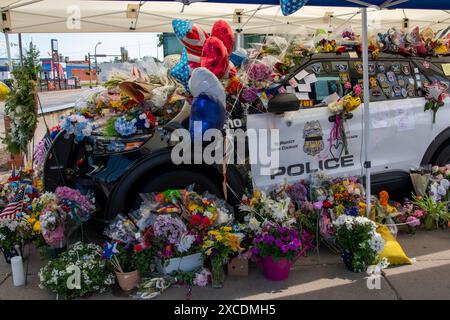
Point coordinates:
[[366, 112], [8, 51]]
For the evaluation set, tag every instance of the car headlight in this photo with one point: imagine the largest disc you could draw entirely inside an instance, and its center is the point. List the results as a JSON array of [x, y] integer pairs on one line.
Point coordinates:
[[108, 145]]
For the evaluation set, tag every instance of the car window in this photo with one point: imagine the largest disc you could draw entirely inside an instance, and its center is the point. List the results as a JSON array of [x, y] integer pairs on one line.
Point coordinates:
[[329, 80]]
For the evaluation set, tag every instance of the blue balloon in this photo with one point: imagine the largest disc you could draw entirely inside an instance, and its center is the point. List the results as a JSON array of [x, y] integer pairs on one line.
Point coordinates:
[[208, 114], [290, 6], [181, 71]]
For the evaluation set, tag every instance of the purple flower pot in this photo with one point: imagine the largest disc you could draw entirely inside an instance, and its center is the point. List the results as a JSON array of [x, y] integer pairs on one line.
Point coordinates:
[[276, 270]]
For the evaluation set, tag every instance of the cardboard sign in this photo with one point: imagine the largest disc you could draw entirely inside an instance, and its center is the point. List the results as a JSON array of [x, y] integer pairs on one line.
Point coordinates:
[[446, 69]]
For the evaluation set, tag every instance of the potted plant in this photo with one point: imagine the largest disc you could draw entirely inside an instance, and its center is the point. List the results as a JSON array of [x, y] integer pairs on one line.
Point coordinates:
[[218, 245], [359, 242], [437, 213], [96, 273], [277, 247], [124, 264]]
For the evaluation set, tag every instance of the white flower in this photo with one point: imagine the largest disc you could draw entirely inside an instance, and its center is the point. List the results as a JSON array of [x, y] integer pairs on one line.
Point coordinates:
[[376, 242], [253, 224], [445, 184], [279, 208], [185, 243], [224, 217]]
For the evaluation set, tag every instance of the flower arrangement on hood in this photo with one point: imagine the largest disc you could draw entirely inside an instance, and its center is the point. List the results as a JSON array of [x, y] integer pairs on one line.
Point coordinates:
[[124, 127], [77, 125]]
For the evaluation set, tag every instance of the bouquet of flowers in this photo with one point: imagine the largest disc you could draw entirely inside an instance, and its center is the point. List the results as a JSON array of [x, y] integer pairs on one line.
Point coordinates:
[[359, 241], [412, 215], [74, 203], [12, 234], [95, 274], [439, 185], [261, 209], [218, 245], [347, 194], [52, 226]]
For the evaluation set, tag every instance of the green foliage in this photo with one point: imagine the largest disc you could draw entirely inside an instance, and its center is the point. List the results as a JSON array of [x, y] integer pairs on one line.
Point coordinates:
[[110, 129], [20, 105], [437, 211], [144, 261]]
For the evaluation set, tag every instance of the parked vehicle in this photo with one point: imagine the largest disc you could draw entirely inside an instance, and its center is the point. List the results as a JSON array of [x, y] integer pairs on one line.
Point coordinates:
[[402, 136]]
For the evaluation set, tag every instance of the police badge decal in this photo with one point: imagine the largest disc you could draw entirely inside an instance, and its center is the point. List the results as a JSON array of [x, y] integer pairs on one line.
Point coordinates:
[[313, 135]]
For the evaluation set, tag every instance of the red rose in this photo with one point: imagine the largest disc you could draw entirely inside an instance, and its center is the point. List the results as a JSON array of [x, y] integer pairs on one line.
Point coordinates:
[[196, 220], [205, 222], [138, 247], [327, 204]]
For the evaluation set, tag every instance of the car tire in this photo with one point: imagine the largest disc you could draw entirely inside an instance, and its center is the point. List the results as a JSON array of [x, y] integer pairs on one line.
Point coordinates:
[[176, 179], [443, 157]]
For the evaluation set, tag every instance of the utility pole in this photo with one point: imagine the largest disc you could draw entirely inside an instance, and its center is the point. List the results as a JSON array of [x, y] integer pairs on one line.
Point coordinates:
[[20, 50], [90, 71], [96, 65]]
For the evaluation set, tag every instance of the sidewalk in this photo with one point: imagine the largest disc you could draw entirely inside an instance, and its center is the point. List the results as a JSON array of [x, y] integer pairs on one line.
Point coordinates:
[[311, 278]]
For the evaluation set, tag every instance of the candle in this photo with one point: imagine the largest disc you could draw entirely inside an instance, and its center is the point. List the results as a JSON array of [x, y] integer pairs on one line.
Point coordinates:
[[17, 271]]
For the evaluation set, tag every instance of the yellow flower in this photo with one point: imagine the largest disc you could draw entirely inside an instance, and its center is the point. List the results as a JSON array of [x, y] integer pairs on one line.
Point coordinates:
[[37, 227], [226, 229], [192, 207], [31, 220], [256, 194]]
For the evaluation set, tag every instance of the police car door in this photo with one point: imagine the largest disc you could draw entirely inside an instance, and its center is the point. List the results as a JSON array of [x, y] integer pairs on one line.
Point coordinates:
[[305, 145]]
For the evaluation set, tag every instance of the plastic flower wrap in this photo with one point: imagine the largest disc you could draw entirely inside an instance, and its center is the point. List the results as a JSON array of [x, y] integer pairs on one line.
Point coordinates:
[[258, 71], [122, 229]]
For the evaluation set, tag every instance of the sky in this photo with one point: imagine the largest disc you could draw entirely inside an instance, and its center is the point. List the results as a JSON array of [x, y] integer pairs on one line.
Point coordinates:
[[77, 45]]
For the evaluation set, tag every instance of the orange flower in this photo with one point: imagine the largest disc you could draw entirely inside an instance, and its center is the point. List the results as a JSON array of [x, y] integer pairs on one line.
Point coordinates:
[[384, 198], [234, 85]]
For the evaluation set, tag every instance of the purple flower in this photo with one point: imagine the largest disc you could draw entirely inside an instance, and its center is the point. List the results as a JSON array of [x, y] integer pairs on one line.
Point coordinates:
[[278, 242], [318, 205], [352, 211], [258, 71], [249, 94]]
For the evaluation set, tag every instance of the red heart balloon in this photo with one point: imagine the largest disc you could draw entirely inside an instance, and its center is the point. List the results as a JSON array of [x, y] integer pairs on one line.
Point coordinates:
[[223, 31], [215, 57]]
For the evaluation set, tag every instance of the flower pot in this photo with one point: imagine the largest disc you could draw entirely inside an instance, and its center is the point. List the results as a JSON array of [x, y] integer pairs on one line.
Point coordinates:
[[185, 264], [347, 258], [128, 280], [276, 270]]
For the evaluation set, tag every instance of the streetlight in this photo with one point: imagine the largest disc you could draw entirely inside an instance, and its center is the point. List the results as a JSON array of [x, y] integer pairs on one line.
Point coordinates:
[[96, 65]]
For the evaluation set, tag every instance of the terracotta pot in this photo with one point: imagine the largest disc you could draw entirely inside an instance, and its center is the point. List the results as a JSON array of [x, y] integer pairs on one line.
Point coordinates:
[[16, 161], [128, 280]]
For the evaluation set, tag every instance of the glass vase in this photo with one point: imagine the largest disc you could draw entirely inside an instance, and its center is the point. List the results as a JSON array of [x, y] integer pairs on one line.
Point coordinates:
[[217, 272]]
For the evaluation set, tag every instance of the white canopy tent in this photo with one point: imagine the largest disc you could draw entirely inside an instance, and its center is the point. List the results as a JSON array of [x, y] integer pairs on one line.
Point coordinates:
[[29, 16], [32, 16]]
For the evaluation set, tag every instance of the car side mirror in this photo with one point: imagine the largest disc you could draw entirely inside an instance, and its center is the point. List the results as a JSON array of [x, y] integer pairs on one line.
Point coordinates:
[[284, 102]]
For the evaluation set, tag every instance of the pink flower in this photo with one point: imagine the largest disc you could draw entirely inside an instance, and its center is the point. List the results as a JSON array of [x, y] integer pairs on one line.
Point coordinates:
[[347, 85], [357, 90], [318, 205], [412, 221], [418, 214]]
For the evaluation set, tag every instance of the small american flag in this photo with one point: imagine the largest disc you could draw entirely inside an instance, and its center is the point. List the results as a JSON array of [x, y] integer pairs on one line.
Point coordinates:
[[11, 210]]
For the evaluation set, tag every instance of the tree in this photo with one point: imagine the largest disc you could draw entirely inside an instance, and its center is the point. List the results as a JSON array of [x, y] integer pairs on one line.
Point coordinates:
[[21, 103]]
